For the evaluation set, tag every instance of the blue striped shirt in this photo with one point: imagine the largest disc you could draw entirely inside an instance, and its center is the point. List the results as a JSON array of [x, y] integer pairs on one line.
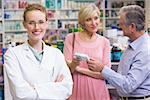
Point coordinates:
[[133, 77]]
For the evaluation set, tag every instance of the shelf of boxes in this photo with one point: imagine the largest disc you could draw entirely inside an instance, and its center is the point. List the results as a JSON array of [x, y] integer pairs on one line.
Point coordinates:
[[1, 26], [13, 12], [62, 14], [113, 31], [1, 49], [112, 8], [15, 31]]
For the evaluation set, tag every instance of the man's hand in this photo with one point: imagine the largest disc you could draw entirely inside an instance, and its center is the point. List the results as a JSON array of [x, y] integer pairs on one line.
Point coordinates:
[[95, 65]]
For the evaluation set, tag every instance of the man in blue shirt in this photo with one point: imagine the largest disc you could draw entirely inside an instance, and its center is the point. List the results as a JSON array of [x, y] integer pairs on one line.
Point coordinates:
[[133, 78]]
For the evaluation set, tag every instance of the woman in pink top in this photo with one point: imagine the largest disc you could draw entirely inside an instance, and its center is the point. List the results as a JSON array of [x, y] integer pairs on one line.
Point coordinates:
[[88, 85]]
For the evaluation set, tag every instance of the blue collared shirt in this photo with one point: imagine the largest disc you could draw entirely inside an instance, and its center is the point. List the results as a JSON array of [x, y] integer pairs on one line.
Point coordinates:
[[133, 77], [38, 54]]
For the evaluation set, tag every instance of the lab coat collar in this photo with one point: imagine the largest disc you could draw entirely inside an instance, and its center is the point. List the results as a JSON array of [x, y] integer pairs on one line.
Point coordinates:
[[29, 53], [46, 53]]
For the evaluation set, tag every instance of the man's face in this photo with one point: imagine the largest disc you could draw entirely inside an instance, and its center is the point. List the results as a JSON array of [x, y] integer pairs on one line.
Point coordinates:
[[123, 26]]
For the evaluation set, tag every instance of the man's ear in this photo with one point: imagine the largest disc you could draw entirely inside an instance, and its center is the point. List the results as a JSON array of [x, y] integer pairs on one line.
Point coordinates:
[[132, 27]]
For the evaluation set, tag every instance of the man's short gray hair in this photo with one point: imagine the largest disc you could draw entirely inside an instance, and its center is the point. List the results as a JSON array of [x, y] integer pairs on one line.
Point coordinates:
[[134, 14]]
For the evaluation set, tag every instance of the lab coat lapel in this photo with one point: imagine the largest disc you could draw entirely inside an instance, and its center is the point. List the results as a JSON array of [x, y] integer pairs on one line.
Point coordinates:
[[29, 54], [46, 55], [48, 59]]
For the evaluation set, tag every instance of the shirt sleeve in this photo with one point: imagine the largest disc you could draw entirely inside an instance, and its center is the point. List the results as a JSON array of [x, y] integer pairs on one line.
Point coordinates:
[[138, 73], [20, 87]]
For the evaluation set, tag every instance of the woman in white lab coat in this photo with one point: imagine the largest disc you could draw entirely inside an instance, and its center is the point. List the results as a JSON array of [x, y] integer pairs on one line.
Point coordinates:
[[34, 70]]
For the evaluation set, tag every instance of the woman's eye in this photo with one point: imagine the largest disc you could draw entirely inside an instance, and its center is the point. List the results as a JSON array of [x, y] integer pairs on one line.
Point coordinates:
[[88, 19], [96, 18]]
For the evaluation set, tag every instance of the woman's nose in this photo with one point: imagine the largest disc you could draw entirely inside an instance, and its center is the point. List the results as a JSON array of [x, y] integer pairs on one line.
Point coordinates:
[[93, 22], [36, 25]]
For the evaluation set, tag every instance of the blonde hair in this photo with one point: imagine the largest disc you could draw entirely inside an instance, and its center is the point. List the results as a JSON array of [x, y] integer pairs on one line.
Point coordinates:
[[86, 12], [32, 7]]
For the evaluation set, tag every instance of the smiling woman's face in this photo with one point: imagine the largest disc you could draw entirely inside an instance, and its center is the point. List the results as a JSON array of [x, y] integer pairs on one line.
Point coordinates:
[[91, 24], [35, 24]]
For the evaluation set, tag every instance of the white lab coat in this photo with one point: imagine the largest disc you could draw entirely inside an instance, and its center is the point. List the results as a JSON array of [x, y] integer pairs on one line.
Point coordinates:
[[29, 80]]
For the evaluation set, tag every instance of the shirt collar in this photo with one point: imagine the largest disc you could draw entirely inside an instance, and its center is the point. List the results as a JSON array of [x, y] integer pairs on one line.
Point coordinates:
[[39, 52], [136, 43]]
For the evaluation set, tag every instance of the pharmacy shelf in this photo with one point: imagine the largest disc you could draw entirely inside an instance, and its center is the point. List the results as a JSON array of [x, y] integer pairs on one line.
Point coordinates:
[[1, 25], [112, 18], [67, 19], [50, 19], [15, 31], [13, 14], [50, 9], [112, 8], [69, 9], [13, 9], [64, 9], [124, 0], [13, 19], [85, 0]]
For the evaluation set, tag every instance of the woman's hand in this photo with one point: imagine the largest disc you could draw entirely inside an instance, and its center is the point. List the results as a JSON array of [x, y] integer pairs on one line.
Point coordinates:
[[95, 65], [75, 62], [90, 71]]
